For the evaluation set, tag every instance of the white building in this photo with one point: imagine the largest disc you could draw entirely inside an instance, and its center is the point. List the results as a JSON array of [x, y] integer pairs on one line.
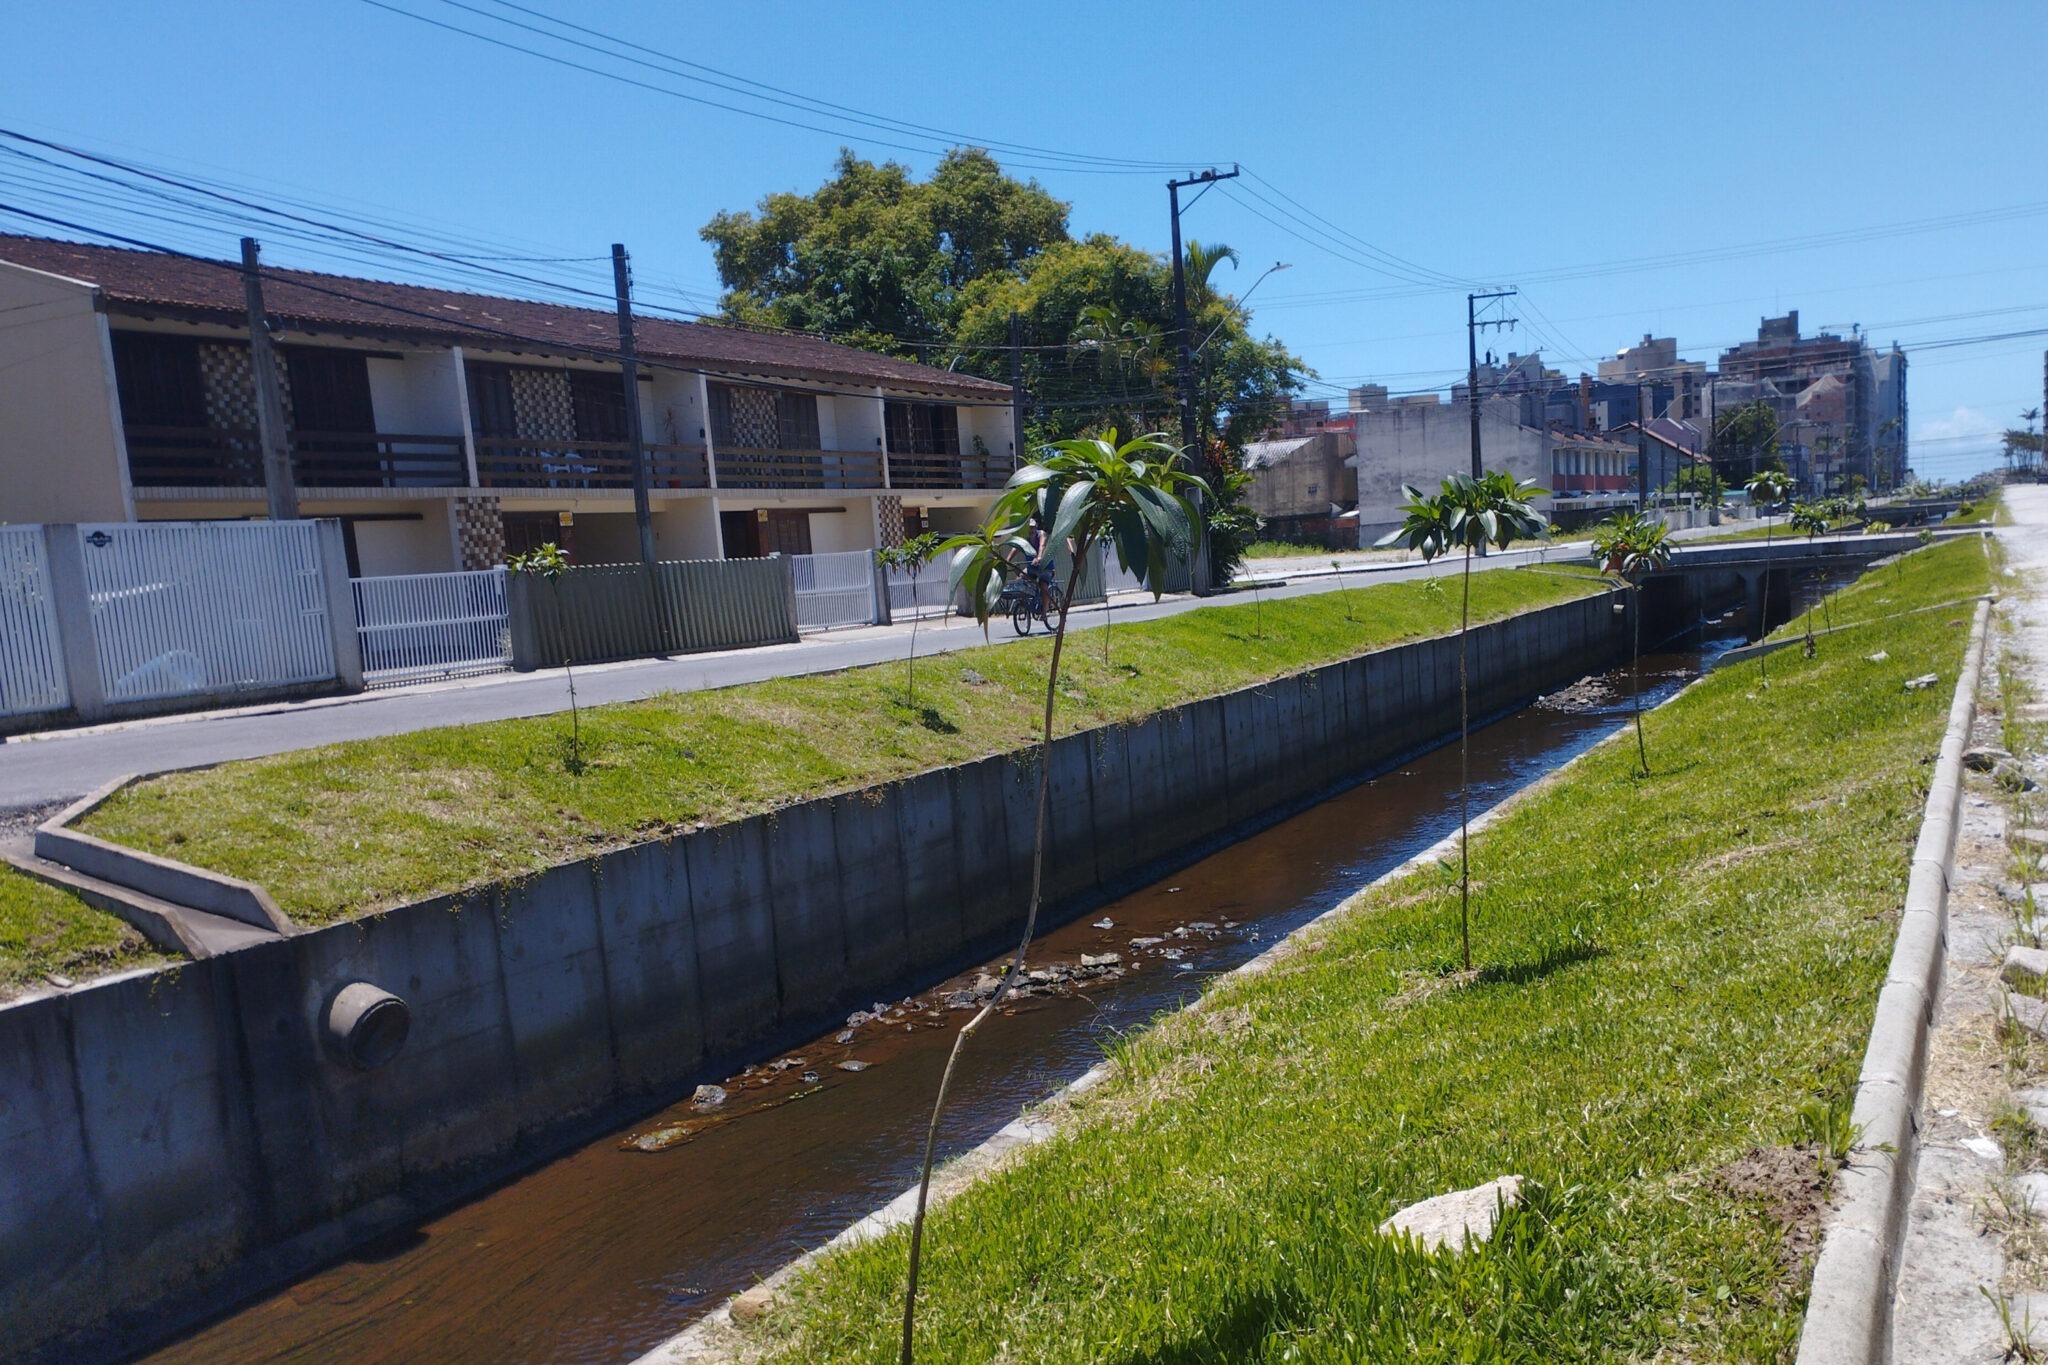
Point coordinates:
[[444, 429]]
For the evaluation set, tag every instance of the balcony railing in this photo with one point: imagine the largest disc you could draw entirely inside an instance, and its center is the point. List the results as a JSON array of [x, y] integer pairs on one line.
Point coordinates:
[[502, 462], [750, 468], [948, 471], [227, 457]]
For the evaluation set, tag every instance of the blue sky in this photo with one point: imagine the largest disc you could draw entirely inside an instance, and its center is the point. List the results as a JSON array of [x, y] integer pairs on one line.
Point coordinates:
[[1621, 164]]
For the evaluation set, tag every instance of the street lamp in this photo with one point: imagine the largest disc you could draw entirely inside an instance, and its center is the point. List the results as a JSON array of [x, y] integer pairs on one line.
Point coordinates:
[[1277, 265]]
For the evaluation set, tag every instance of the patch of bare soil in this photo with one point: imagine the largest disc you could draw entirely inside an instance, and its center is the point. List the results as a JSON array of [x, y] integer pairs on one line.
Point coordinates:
[[1791, 1183]]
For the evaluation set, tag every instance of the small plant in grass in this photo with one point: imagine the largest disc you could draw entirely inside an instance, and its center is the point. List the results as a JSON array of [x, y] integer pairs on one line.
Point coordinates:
[[2019, 1333], [910, 557], [1767, 489], [1343, 589], [1811, 518], [548, 562], [1630, 546], [1080, 494], [1468, 514]]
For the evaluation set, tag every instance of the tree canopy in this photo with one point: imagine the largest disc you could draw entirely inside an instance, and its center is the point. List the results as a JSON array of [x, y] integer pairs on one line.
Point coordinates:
[[932, 269], [1745, 441], [877, 257]]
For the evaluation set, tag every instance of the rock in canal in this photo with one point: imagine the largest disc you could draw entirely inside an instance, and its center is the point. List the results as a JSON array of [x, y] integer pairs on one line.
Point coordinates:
[[851, 1064], [707, 1097]]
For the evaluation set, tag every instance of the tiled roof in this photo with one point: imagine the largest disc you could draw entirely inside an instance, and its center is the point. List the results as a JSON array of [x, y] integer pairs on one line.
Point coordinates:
[[139, 281]]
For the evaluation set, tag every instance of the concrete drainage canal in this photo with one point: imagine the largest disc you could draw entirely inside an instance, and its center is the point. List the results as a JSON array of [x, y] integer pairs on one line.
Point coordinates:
[[604, 1253]]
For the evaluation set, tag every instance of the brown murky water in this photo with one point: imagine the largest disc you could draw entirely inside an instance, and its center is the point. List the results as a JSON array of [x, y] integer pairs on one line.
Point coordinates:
[[602, 1254]]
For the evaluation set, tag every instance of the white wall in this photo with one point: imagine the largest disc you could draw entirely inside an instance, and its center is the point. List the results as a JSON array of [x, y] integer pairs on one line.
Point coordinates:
[[416, 395], [1425, 444], [395, 547], [992, 425], [673, 415], [853, 529], [858, 421], [686, 528], [61, 452]]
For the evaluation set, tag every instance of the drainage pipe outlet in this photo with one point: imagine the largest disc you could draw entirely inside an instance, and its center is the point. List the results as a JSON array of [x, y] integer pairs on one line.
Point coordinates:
[[366, 1025]]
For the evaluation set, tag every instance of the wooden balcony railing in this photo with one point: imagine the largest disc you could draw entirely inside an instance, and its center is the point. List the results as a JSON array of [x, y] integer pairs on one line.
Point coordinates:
[[948, 471], [502, 462], [749, 468], [228, 457]]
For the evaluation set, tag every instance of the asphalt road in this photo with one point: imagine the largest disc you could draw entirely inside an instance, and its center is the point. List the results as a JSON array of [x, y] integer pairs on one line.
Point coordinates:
[[62, 765]]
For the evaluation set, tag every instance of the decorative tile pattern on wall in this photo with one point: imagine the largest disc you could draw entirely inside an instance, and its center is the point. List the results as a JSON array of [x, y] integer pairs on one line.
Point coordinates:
[[756, 418], [541, 405], [230, 385], [479, 531], [889, 520]]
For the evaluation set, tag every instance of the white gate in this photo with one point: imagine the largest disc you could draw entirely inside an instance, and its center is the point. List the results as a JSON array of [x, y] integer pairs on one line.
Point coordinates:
[[432, 625], [183, 608], [834, 589], [31, 655]]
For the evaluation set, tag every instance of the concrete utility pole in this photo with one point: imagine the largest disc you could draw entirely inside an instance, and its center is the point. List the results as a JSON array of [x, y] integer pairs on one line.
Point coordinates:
[[1472, 328], [1198, 561], [1642, 449], [271, 432], [636, 444], [1016, 389]]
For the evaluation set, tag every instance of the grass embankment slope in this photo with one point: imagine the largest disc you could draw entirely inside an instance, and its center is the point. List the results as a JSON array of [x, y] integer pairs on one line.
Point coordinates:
[[44, 930], [1677, 969], [353, 827]]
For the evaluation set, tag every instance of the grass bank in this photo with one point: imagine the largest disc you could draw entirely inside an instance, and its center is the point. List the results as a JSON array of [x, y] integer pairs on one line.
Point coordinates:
[[353, 827], [44, 930], [1679, 973]]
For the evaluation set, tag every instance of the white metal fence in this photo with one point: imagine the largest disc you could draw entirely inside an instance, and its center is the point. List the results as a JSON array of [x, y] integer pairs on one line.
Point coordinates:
[[928, 594], [835, 589], [432, 625], [180, 608], [31, 654]]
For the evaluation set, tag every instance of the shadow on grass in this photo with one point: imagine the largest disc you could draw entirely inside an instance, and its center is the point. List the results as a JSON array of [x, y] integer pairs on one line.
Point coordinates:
[[1552, 959], [930, 717], [1236, 1332]]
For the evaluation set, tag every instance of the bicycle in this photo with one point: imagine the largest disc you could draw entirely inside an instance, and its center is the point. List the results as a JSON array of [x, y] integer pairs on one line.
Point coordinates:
[[1028, 599]]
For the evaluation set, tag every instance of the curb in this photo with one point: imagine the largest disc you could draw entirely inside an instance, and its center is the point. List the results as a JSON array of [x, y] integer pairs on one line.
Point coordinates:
[[1849, 1311]]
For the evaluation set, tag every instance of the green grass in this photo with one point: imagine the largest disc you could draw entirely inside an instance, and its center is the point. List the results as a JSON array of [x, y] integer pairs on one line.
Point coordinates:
[[1287, 549], [353, 827], [44, 930], [1676, 969], [1779, 529], [1981, 511]]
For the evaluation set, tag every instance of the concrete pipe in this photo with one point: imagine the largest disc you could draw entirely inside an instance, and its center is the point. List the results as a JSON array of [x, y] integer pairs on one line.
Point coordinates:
[[366, 1025]]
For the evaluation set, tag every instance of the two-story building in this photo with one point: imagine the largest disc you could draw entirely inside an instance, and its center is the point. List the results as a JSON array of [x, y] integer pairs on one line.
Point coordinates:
[[446, 429]]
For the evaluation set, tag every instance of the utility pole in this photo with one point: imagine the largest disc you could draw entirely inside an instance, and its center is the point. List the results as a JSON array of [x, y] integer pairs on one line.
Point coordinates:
[[1198, 563], [271, 433], [1642, 450], [1016, 389], [636, 444], [1472, 327]]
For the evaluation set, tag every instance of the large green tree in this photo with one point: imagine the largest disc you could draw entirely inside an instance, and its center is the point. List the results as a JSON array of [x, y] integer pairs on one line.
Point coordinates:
[[1745, 442], [878, 257]]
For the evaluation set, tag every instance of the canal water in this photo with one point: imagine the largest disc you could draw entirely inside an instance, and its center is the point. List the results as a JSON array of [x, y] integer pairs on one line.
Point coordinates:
[[603, 1253]]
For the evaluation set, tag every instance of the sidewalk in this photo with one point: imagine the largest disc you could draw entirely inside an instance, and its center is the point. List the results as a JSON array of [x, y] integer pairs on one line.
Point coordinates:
[[52, 766]]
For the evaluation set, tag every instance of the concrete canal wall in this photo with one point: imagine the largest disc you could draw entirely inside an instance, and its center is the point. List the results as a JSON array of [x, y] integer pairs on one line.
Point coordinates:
[[172, 1140]]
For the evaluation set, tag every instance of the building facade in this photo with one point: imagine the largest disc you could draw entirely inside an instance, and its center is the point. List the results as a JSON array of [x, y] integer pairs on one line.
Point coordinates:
[[446, 429]]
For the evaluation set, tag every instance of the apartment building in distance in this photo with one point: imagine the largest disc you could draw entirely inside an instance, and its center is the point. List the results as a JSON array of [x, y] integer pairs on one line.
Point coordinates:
[[445, 429]]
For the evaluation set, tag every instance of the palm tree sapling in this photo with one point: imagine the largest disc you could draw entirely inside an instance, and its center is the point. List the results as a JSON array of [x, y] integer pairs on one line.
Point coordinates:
[[1631, 546], [1468, 514], [910, 557], [1081, 494]]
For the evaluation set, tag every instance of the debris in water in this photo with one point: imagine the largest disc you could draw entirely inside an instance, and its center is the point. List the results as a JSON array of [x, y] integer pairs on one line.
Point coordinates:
[[1202, 926], [845, 1037], [660, 1139], [707, 1097], [810, 1078], [785, 1063], [1170, 954], [1147, 941], [1184, 966], [1101, 959], [1105, 924], [852, 1064], [1173, 891], [857, 1018]]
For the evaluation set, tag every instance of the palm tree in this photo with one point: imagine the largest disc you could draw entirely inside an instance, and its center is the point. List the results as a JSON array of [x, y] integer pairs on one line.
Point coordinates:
[[1494, 509], [1081, 494], [1767, 489], [1631, 546], [1201, 260]]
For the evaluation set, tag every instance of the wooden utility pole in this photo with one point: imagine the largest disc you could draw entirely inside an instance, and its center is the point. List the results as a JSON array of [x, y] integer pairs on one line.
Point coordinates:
[[636, 444], [1642, 449], [1190, 438], [271, 433], [1016, 390], [1472, 328]]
